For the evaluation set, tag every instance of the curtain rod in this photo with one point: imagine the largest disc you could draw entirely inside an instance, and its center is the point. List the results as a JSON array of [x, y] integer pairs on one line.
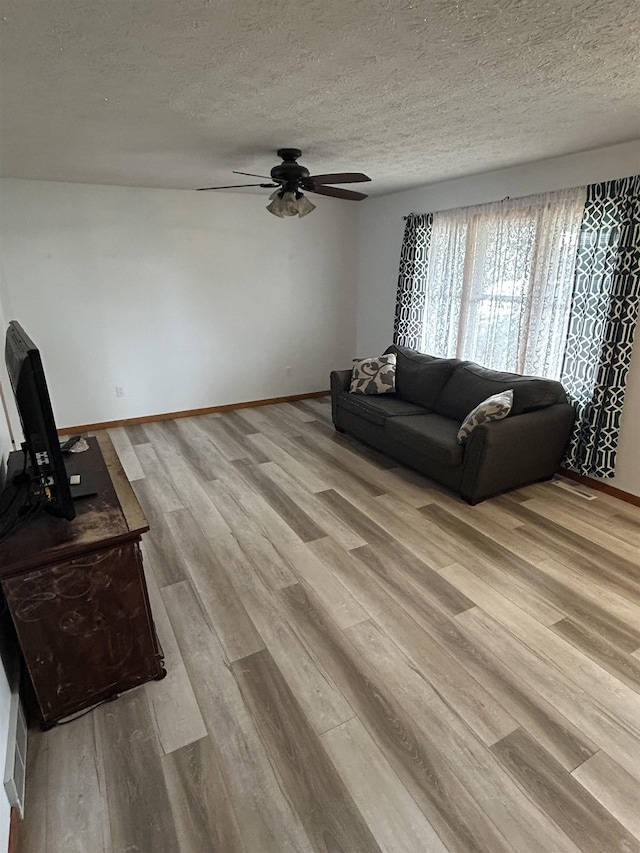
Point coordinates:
[[530, 195], [498, 201]]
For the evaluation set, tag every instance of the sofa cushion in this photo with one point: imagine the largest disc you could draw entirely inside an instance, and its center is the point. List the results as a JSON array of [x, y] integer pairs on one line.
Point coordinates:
[[420, 377], [377, 408], [470, 384], [430, 435], [374, 375], [492, 409]]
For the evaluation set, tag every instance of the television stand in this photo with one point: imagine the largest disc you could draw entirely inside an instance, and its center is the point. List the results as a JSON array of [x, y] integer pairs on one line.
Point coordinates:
[[77, 594]]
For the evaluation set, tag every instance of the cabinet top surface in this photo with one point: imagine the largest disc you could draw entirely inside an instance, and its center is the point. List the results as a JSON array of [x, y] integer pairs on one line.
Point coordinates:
[[112, 515]]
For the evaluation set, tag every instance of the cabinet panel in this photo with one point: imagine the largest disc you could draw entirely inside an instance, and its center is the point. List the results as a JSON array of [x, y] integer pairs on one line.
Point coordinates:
[[85, 629]]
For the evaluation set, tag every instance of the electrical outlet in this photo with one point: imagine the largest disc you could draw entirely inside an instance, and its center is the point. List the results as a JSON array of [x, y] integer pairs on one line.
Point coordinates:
[[119, 391], [288, 370]]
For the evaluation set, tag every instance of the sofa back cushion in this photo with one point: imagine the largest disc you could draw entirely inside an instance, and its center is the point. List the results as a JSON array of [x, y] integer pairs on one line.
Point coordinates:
[[470, 384], [419, 377]]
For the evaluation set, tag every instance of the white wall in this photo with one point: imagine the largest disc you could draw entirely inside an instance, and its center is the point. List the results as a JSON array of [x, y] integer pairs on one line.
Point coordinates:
[[184, 299], [380, 233]]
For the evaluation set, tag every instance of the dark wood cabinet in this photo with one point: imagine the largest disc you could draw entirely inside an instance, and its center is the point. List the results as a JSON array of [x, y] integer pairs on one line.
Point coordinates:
[[77, 594]]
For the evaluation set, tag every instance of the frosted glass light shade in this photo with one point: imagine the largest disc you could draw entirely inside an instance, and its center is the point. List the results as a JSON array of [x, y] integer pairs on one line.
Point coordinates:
[[289, 204], [283, 205], [304, 206]]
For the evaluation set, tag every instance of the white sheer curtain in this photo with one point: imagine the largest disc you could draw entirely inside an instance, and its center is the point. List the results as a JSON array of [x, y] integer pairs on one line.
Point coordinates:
[[500, 280]]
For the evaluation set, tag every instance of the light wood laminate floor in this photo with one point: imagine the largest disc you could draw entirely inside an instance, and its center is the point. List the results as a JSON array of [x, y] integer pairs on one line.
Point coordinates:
[[358, 661]]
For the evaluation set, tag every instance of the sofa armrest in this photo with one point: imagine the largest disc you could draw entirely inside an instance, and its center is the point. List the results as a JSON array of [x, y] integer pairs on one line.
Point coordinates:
[[525, 448], [340, 381]]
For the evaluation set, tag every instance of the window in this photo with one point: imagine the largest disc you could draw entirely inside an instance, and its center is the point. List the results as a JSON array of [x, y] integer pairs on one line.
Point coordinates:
[[499, 282]]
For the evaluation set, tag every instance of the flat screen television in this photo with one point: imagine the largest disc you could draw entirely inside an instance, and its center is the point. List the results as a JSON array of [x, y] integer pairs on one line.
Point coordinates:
[[45, 463]]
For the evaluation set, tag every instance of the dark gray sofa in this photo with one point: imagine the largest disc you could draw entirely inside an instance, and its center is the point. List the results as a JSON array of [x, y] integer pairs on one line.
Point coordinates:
[[418, 425]]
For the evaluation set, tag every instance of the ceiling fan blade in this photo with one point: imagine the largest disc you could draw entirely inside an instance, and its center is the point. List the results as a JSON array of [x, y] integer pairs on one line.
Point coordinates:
[[335, 192], [237, 186], [251, 175], [340, 178]]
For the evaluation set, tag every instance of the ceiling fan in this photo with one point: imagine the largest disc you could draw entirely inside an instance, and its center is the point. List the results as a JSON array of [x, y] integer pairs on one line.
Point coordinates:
[[290, 178]]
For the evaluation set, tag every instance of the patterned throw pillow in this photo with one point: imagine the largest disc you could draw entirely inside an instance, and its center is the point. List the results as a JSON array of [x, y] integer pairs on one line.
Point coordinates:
[[374, 375], [492, 409]]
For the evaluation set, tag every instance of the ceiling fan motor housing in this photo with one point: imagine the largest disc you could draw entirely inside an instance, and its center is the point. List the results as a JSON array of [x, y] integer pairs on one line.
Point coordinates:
[[289, 173]]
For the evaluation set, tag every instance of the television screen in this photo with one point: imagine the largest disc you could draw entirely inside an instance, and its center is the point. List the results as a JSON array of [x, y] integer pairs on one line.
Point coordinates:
[[41, 443]]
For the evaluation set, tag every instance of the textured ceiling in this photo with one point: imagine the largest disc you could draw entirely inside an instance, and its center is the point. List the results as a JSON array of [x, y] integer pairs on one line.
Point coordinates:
[[177, 93]]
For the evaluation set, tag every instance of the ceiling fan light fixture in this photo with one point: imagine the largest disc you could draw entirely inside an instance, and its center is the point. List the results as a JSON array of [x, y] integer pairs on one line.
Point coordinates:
[[283, 204]]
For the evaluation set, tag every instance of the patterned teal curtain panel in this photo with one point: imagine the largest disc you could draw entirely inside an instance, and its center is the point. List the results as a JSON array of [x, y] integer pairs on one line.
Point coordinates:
[[412, 280], [602, 323]]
